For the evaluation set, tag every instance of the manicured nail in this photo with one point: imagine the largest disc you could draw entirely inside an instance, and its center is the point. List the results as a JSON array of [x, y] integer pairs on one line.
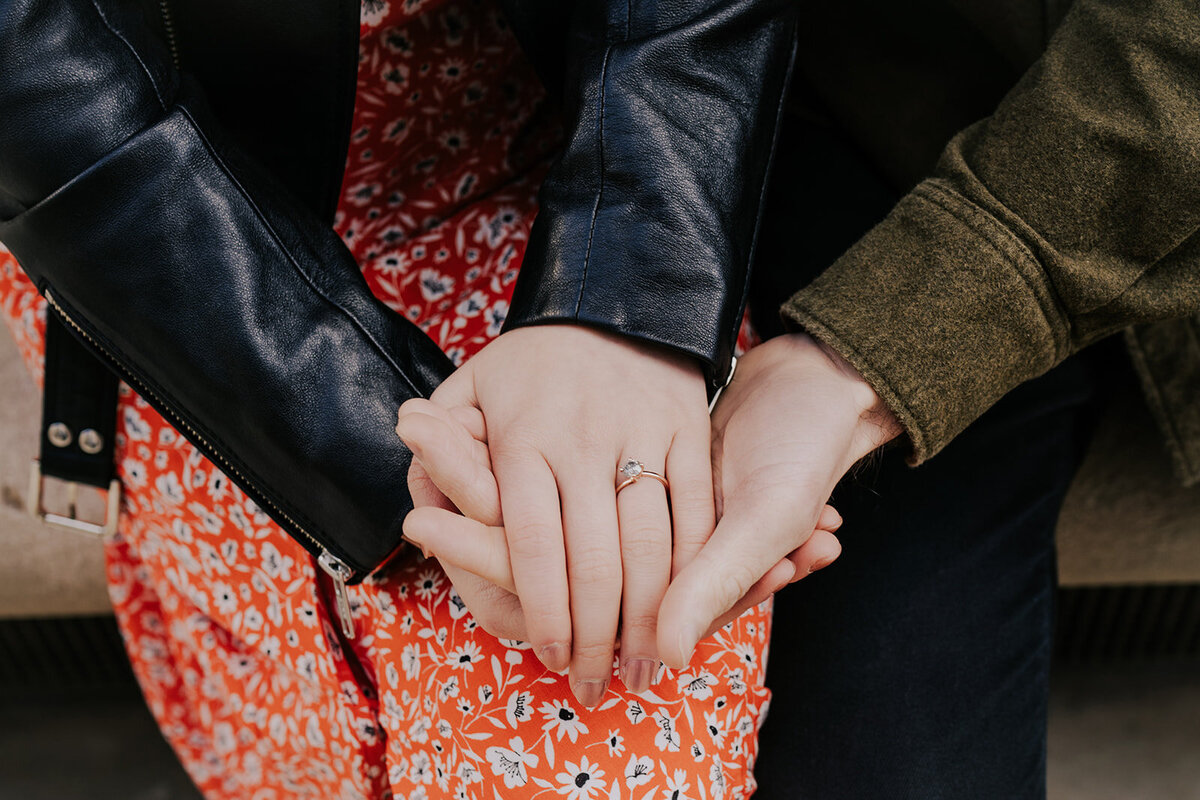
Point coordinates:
[[822, 564], [556, 657], [637, 674], [590, 692]]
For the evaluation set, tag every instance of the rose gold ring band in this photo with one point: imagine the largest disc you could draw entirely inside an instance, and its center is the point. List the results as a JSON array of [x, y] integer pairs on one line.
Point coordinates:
[[633, 471]]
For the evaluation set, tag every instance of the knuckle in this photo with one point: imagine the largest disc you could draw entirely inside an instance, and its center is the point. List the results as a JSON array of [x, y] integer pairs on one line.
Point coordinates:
[[528, 542], [597, 568], [645, 545], [640, 621], [593, 651], [551, 624]]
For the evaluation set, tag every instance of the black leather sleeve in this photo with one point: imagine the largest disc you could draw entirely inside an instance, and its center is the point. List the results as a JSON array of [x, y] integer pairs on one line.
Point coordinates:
[[198, 278], [648, 219]]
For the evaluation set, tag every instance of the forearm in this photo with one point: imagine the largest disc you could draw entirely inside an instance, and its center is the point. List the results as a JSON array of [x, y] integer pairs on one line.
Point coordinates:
[[196, 276]]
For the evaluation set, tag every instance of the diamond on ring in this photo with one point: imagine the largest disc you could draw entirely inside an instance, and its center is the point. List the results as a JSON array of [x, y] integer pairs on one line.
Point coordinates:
[[632, 471]]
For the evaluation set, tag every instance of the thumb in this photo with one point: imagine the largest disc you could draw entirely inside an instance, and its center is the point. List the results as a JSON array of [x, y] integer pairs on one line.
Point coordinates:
[[756, 532]]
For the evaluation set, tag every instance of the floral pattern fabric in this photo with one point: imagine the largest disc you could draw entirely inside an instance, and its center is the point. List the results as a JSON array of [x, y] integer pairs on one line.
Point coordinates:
[[229, 624]]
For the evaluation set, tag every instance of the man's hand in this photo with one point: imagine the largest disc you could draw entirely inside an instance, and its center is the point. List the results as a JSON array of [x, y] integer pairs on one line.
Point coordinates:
[[795, 418], [564, 407]]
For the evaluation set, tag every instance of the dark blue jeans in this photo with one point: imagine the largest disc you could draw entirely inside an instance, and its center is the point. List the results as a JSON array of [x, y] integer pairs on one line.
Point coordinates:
[[917, 665]]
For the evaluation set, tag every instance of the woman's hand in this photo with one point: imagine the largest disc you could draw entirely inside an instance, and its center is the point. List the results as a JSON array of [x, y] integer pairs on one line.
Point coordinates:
[[451, 472], [565, 406], [795, 418]]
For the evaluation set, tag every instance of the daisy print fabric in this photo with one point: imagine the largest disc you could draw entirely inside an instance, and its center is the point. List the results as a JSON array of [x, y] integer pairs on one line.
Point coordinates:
[[228, 623]]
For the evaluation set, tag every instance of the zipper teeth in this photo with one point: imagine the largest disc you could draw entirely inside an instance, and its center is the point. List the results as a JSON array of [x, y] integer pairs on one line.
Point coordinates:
[[198, 437], [169, 27]]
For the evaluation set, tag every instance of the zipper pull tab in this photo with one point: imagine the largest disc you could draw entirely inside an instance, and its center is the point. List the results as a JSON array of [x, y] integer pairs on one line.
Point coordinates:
[[340, 573]]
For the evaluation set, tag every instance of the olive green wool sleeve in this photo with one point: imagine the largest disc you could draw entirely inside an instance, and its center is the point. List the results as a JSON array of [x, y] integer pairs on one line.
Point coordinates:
[[1071, 213]]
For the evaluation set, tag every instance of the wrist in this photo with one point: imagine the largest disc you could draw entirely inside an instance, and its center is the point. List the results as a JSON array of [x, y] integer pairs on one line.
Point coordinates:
[[876, 423]]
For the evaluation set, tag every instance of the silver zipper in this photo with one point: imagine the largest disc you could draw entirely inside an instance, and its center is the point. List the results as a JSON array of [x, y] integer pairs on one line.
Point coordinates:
[[341, 572], [169, 26]]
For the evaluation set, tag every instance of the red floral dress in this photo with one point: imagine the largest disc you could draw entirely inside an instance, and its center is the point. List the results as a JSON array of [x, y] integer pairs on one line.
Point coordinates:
[[226, 620]]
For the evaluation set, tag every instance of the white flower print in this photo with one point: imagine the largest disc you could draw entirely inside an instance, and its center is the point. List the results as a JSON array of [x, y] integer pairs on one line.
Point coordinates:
[[410, 659], [136, 427], [562, 719], [168, 486], [134, 473], [667, 737], [223, 739], [518, 709], [635, 712], [471, 305], [419, 730], [362, 193], [510, 762], [391, 263], [716, 777], [697, 752], [639, 771], [449, 688], [458, 609], [427, 583], [496, 316], [737, 681], [746, 652], [224, 598], [253, 619], [464, 657], [615, 742], [308, 615], [421, 770], [677, 786], [699, 687], [434, 285], [580, 780], [373, 12]]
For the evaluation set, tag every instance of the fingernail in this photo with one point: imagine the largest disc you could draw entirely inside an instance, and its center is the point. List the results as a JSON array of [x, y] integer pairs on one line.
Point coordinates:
[[590, 692], [556, 657], [637, 674], [416, 544]]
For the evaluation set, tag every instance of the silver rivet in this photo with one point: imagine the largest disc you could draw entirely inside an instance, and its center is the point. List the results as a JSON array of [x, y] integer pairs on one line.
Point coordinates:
[[90, 441], [59, 434]]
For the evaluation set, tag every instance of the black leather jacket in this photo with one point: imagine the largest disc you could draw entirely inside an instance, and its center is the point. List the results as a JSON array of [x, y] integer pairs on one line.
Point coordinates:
[[168, 173]]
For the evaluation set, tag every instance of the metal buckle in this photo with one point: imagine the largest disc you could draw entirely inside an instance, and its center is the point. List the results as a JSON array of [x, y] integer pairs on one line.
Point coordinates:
[[69, 520]]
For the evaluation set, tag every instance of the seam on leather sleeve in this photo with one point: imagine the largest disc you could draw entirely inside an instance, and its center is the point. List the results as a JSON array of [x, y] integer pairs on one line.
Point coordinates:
[[134, 53], [587, 256], [224, 169]]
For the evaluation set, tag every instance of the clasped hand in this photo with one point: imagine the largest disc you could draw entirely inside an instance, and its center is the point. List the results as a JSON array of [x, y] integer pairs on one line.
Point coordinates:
[[515, 476]]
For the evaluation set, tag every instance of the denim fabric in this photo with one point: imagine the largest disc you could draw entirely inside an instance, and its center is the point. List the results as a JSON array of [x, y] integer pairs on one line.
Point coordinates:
[[917, 665]]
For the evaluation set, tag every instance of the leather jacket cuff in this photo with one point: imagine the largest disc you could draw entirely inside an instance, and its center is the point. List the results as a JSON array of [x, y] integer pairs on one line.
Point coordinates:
[[648, 219]]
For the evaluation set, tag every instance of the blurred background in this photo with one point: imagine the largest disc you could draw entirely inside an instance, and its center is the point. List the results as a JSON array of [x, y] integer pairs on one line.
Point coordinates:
[[1125, 705]]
